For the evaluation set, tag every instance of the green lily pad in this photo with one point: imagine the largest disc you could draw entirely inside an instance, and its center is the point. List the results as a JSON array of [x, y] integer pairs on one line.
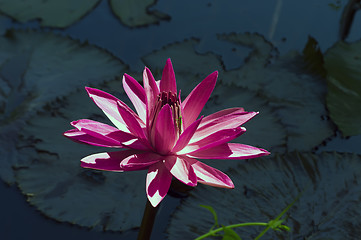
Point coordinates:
[[343, 65], [55, 183], [328, 207], [313, 58], [136, 13], [37, 68], [52, 13], [298, 98]]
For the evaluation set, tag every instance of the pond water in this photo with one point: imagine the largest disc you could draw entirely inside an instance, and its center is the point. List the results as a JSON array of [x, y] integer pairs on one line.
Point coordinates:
[[257, 47]]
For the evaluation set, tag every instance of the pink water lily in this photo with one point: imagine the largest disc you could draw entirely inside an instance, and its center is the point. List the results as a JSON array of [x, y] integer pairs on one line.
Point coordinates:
[[165, 136]]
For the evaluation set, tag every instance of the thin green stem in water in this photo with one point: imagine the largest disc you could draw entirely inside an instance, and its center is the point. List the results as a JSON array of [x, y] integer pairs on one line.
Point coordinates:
[[213, 232]]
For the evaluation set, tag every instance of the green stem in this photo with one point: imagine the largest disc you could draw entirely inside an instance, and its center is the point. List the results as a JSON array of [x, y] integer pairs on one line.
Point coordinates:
[[147, 222], [211, 233]]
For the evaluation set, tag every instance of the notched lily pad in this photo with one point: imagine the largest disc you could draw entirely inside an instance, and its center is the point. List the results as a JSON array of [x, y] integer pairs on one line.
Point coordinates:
[[190, 67], [51, 13], [328, 208], [136, 13], [37, 68], [343, 65], [265, 130], [55, 183], [298, 98]]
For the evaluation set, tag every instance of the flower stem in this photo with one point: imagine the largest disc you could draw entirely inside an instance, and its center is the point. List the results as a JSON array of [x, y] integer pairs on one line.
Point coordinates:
[[147, 222], [211, 233]]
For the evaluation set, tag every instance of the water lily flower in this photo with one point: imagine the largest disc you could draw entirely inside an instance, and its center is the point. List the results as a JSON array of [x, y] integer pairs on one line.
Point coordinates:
[[165, 136]]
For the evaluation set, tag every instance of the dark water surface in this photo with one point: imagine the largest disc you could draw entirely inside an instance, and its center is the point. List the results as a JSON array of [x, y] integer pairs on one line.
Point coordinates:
[[286, 24]]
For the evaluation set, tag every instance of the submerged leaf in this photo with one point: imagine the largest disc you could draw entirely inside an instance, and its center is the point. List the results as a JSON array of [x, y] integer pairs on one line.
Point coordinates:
[[343, 64], [52, 13], [230, 234]]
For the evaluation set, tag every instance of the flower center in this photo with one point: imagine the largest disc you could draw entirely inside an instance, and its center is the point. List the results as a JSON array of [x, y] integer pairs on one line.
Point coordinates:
[[172, 100]]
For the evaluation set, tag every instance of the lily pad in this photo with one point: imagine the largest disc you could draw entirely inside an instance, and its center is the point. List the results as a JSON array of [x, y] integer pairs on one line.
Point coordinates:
[[343, 65], [328, 207], [37, 68], [136, 13], [298, 98], [264, 130], [55, 183], [190, 67], [52, 13]]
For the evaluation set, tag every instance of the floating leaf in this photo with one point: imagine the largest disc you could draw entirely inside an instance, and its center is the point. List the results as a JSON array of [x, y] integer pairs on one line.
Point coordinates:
[[55, 183], [343, 64], [52, 13], [36, 68], [313, 58], [328, 208], [298, 99], [264, 130], [136, 13], [190, 67]]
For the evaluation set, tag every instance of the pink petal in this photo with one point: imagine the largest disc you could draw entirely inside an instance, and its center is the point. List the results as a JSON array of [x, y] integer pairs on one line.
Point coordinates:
[[131, 121], [210, 176], [225, 119], [229, 151], [140, 161], [151, 90], [108, 161], [157, 183], [186, 136], [100, 134], [136, 94], [164, 135], [181, 169], [108, 104], [213, 140], [81, 137], [168, 82], [196, 100]]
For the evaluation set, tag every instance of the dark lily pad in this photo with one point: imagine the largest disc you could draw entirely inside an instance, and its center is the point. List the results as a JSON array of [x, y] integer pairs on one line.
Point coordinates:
[[265, 130], [313, 57], [298, 98], [136, 13], [52, 13], [328, 208], [343, 65], [190, 67], [37, 68], [55, 183]]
